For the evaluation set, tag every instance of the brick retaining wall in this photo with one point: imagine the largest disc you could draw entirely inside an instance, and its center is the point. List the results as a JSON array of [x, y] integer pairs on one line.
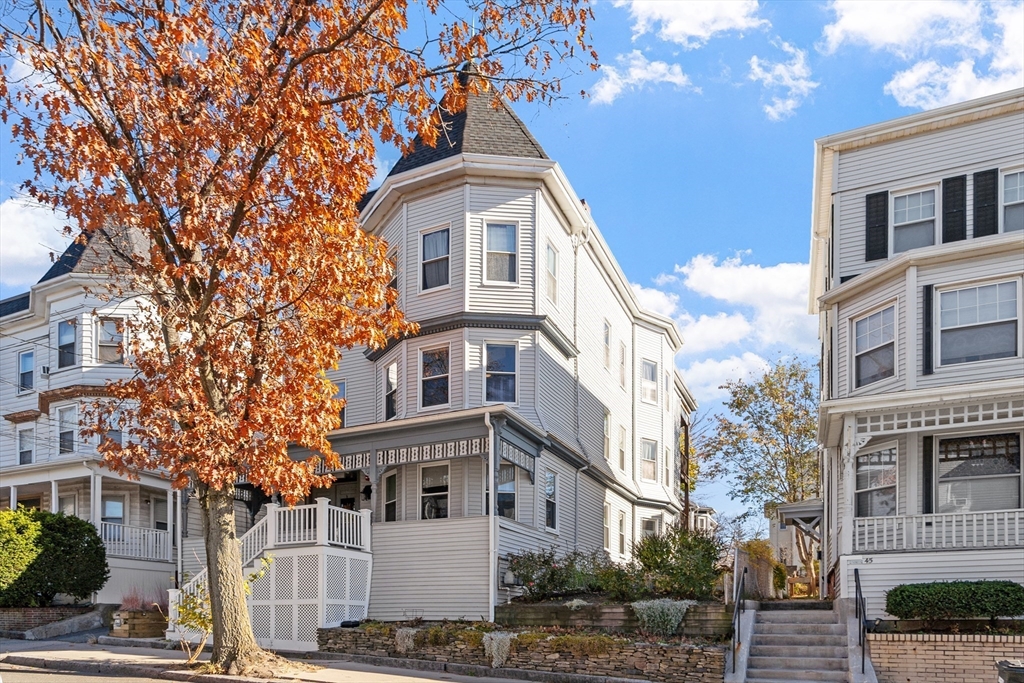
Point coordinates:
[[620, 658], [940, 658], [25, 618]]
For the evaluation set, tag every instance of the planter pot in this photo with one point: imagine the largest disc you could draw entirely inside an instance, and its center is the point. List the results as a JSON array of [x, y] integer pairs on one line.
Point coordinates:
[[134, 624]]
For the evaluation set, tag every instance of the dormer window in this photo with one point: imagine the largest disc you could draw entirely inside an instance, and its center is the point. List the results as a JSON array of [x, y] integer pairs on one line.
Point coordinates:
[[501, 253], [434, 258], [913, 220]]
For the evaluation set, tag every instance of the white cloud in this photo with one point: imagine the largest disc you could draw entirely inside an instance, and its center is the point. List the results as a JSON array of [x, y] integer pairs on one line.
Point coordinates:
[[794, 77], [633, 72], [706, 376], [711, 332], [906, 27], [657, 301], [29, 233], [381, 169], [693, 22]]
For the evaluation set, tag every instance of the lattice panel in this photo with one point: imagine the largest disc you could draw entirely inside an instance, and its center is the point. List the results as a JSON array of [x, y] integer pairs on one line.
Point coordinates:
[[261, 588], [308, 579], [944, 416], [335, 614], [360, 570], [283, 579], [336, 575], [307, 622], [283, 622], [261, 621], [356, 612]]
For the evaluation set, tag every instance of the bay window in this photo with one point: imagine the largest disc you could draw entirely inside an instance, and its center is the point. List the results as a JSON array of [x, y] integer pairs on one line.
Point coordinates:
[[506, 491], [26, 368], [500, 373], [978, 323], [67, 426], [391, 391], [341, 397], [649, 382], [434, 372], [552, 274], [1013, 201], [434, 259], [876, 483], [606, 340], [550, 500], [391, 497], [110, 344], [607, 435], [875, 347], [977, 473], [607, 526], [622, 365], [434, 492], [913, 221], [26, 446], [622, 448], [67, 353], [501, 253], [649, 460], [622, 533]]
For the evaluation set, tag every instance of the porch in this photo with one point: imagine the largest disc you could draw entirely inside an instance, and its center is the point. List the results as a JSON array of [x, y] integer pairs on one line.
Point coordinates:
[[942, 531]]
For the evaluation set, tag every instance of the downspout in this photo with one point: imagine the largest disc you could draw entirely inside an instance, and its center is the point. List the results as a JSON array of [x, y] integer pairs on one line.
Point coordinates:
[[492, 549]]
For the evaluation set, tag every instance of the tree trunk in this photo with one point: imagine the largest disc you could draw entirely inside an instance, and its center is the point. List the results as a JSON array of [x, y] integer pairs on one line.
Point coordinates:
[[234, 645], [805, 546]]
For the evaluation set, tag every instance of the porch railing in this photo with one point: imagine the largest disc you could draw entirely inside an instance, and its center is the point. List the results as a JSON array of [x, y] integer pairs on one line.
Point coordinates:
[[136, 542], [944, 531]]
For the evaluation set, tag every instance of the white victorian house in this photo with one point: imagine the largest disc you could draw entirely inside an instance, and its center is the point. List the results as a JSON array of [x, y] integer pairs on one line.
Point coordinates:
[[917, 261]]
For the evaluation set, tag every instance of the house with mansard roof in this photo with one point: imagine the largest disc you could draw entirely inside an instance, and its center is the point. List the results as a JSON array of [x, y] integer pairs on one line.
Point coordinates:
[[917, 276]]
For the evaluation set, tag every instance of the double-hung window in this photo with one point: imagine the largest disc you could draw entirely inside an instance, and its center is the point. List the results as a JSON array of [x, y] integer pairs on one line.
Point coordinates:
[[391, 497], [506, 491], [68, 504], [606, 338], [67, 354], [160, 514], [650, 526], [978, 323], [649, 460], [550, 500], [977, 473], [913, 220], [622, 533], [501, 253], [622, 448], [110, 344], [1013, 201], [622, 365], [434, 259], [67, 426], [875, 347], [26, 446], [393, 282], [552, 274], [434, 371], [500, 373], [341, 397], [434, 492], [668, 467], [390, 391], [649, 382], [876, 483], [607, 526], [114, 432], [607, 435], [26, 368], [113, 511]]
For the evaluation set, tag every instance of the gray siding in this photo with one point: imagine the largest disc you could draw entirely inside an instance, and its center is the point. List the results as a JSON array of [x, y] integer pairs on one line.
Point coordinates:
[[436, 210], [890, 292], [489, 204]]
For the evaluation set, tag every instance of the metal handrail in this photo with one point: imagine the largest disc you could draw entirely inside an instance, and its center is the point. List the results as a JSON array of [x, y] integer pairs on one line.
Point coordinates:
[[737, 613], [862, 615]]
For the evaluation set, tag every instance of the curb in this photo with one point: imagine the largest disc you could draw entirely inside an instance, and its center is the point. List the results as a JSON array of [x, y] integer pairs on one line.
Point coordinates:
[[88, 666]]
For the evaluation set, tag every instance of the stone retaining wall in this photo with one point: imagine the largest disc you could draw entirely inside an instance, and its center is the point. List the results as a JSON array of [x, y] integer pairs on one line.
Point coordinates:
[[25, 618], [608, 656], [707, 619], [940, 658]]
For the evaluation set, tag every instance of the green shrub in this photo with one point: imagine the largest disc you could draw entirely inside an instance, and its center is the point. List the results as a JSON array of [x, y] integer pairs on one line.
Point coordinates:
[[661, 617], [19, 548], [680, 563], [546, 574], [622, 583], [956, 600], [779, 577]]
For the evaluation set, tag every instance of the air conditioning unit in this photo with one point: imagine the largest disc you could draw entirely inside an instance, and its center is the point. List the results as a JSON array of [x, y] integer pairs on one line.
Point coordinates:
[[44, 371]]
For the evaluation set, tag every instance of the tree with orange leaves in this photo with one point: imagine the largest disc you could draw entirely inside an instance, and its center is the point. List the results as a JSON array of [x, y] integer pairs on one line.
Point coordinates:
[[220, 148]]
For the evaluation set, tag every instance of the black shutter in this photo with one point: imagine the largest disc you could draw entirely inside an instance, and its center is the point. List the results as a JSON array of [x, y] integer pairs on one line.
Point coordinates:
[[876, 235], [927, 365], [927, 475], [954, 209], [986, 203]]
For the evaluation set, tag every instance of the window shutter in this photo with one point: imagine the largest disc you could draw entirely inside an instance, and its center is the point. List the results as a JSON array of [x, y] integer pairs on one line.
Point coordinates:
[[926, 331], [876, 237], [986, 203], [927, 475], [954, 209]]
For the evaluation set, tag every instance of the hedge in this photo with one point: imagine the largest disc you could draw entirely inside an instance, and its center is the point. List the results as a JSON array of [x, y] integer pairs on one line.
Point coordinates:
[[956, 600]]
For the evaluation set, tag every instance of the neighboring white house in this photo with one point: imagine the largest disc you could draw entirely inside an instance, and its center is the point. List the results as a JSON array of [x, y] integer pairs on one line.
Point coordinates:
[[58, 348], [916, 274]]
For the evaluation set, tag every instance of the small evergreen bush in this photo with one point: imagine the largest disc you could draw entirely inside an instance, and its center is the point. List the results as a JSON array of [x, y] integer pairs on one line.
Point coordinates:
[[73, 560], [546, 574], [19, 549], [956, 600], [661, 617], [680, 563]]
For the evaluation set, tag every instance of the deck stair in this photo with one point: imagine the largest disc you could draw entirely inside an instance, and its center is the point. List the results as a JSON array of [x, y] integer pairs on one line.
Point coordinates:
[[797, 640]]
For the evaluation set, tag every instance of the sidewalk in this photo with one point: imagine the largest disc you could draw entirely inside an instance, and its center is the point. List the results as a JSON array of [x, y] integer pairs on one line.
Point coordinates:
[[166, 664]]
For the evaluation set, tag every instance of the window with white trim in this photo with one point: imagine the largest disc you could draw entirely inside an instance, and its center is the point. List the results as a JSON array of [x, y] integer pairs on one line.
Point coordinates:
[[67, 427], [874, 347], [114, 432], [391, 497], [1013, 201], [434, 491], [110, 342], [606, 338], [649, 526], [622, 448], [622, 365], [648, 460], [26, 446], [434, 252], [501, 253], [26, 370], [552, 274], [393, 282], [500, 373], [550, 500], [160, 513], [876, 483], [67, 341], [390, 391], [506, 491], [68, 504], [913, 220], [668, 467], [607, 435], [113, 510], [649, 382], [668, 391], [978, 323], [434, 372], [607, 526], [622, 533], [978, 473]]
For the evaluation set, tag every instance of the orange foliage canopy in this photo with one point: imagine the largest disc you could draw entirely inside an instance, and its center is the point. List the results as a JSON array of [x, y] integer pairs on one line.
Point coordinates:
[[221, 148]]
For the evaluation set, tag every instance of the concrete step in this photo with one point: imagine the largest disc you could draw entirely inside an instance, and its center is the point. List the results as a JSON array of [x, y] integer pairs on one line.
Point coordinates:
[[798, 651], [800, 629], [776, 675], [794, 604], [798, 662], [796, 640], [797, 617]]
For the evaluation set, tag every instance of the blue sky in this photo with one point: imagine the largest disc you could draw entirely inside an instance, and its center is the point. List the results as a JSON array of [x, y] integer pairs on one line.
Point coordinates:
[[695, 151]]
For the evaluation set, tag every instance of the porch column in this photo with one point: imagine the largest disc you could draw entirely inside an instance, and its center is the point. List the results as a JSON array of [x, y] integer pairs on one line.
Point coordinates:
[[96, 500], [321, 520], [367, 515], [54, 502], [847, 514], [14, 497], [271, 525]]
